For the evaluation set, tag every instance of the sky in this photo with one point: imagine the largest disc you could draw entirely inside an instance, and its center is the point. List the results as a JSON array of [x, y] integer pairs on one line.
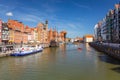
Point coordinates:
[[77, 17]]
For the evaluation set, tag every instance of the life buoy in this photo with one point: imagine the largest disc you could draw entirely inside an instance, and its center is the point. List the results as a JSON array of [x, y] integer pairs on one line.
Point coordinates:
[[22, 49]]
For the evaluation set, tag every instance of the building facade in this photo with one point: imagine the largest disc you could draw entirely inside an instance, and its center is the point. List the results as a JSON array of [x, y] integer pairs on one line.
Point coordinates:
[[5, 33], [43, 32], [97, 31], [103, 30], [88, 38], [110, 27], [63, 36], [17, 32], [0, 31], [50, 35], [116, 27]]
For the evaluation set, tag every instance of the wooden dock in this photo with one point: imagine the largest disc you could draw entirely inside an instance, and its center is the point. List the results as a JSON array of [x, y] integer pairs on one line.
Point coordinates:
[[113, 51]]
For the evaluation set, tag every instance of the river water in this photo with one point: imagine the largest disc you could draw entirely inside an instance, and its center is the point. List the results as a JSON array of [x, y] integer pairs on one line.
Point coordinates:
[[65, 62]]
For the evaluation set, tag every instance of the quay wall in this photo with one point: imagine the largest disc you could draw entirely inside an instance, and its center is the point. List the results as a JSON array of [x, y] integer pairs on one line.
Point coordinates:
[[109, 49]]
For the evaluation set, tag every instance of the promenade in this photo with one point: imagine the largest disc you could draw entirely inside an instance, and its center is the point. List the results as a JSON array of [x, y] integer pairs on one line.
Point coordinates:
[[110, 49], [4, 54]]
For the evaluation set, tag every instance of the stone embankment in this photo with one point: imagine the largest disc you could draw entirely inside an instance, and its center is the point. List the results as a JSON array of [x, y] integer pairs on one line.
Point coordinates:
[[110, 49]]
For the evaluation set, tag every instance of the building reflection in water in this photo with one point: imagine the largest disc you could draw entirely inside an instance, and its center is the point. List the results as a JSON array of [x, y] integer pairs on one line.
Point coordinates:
[[87, 47], [89, 52], [63, 50], [49, 55]]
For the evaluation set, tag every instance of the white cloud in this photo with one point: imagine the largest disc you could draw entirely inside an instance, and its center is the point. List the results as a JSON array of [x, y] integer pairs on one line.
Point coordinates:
[[81, 5], [9, 14], [74, 26], [29, 18]]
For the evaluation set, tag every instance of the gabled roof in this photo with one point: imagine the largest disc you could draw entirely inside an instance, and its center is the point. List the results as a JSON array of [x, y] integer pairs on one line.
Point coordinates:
[[14, 24]]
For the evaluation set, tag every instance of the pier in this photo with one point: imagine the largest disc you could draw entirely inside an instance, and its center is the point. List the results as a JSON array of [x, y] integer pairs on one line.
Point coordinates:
[[110, 49]]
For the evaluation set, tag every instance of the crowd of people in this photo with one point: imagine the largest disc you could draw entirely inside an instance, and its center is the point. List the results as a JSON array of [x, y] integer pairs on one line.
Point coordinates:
[[5, 49]]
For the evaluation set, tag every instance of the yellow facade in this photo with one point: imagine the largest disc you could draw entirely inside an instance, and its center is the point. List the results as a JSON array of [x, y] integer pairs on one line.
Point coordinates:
[[11, 35]]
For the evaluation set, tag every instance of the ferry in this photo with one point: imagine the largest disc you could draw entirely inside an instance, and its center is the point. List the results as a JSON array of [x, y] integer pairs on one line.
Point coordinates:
[[26, 51]]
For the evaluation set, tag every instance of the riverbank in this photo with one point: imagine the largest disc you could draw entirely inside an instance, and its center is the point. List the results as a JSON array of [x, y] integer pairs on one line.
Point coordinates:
[[110, 49]]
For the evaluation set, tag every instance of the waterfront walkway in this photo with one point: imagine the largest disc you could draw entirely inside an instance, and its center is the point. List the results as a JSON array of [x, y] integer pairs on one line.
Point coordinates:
[[109, 48], [4, 54], [112, 45]]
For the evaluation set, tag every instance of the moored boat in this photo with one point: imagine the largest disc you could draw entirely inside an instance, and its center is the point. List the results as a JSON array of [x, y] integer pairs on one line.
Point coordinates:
[[26, 51], [54, 43]]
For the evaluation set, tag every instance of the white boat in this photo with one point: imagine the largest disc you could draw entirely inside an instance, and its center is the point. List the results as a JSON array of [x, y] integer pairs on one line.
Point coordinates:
[[26, 51]]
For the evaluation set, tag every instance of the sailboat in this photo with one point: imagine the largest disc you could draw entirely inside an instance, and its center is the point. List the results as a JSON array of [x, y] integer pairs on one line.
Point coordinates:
[[54, 43]]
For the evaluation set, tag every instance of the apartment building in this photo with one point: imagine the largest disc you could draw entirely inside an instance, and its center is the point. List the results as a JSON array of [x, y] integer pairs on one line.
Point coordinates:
[[5, 33], [43, 32], [0, 31], [17, 33], [110, 26], [88, 38]]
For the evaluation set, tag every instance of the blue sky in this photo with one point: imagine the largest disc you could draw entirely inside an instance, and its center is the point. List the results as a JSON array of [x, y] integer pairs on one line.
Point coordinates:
[[77, 17]]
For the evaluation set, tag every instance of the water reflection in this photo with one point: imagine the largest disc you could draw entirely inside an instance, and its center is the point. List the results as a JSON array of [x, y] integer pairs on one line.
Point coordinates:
[[63, 50], [116, 69], [88, 48], [50, 55], [89, 51], [108, 59], [61, 63]]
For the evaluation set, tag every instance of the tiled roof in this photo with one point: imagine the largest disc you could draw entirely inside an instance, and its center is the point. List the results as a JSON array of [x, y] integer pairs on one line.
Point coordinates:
[[14, 24], [88, 36]]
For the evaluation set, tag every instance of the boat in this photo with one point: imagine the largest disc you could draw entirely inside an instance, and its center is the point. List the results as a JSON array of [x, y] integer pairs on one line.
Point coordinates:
[[79, 48], [26, 51], [54, 43]]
